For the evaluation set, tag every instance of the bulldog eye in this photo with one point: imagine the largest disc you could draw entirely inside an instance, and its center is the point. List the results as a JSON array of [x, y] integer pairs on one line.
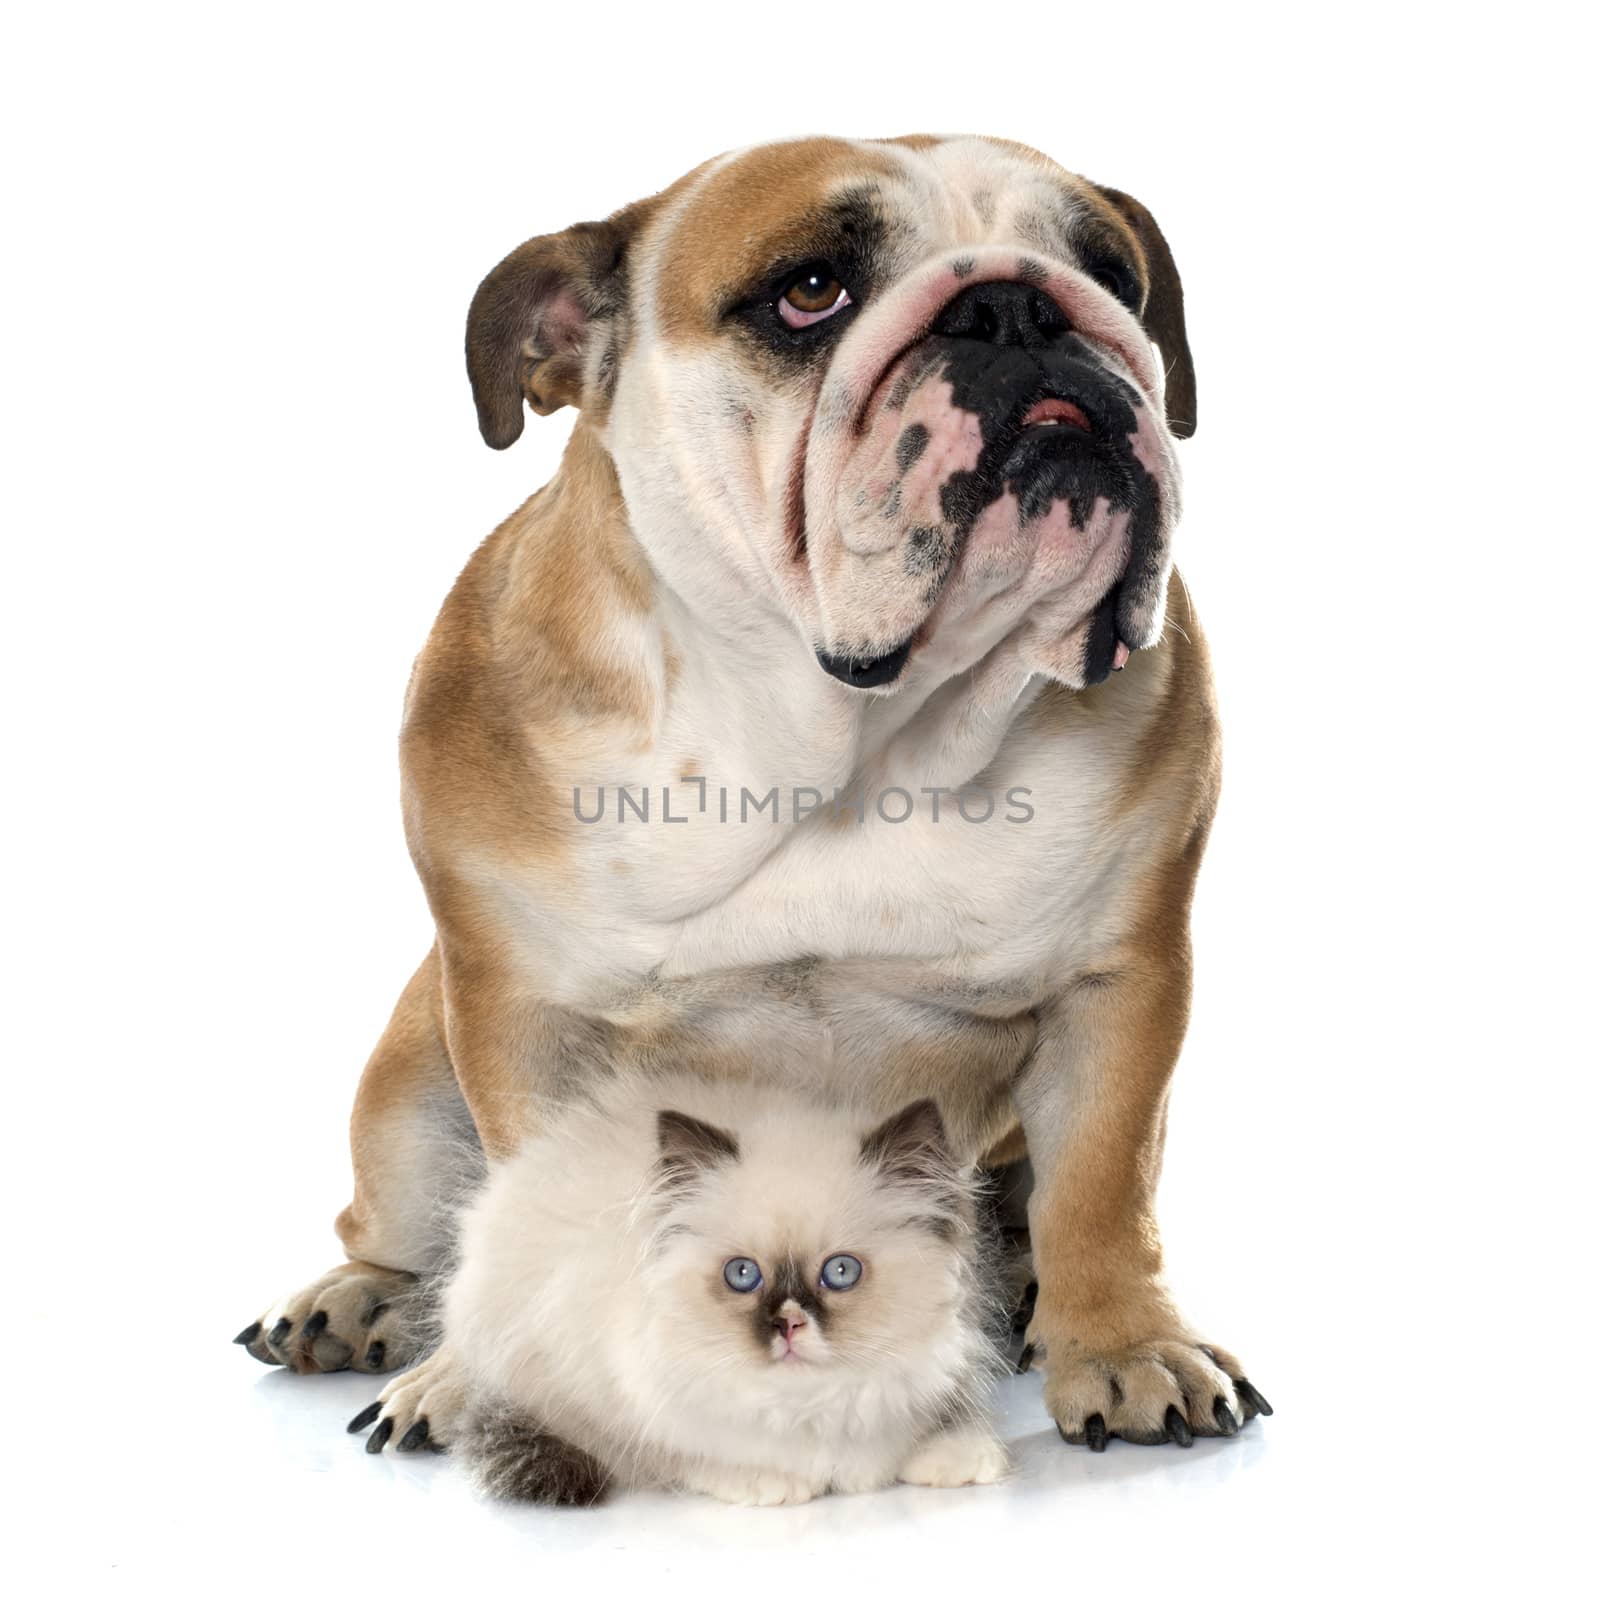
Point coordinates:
[[742, 1275], [1118, 281], [812, 295]]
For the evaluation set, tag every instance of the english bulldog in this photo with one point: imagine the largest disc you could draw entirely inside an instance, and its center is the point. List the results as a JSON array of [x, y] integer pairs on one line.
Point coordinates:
[[832, 713]]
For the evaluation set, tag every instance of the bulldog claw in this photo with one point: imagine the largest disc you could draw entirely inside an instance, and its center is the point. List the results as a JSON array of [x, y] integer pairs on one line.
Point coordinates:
[[1178, 1428], [1255, 1403], [1094, 1433], [380, 1437], [248, 1335], [364, 1417], [1223, 1413]]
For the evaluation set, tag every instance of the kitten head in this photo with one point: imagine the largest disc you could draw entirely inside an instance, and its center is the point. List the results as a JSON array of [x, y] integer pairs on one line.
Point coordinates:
[[798, 1246]]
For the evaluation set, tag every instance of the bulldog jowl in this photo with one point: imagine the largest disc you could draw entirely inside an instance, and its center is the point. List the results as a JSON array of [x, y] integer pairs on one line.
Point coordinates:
[[1004, 482]]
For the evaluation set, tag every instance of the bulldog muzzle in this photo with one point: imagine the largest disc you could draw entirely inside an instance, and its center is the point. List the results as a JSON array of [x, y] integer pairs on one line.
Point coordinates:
[[1001, 454]]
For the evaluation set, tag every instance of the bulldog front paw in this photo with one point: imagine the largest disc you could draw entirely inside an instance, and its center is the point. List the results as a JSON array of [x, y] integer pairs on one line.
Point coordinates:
[[1155, 1391], [418, 1410], [955, 1457], [357, 1315]]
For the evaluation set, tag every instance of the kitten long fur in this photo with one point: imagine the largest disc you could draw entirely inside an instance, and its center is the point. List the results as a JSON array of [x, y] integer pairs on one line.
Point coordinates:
[[604, 1345]]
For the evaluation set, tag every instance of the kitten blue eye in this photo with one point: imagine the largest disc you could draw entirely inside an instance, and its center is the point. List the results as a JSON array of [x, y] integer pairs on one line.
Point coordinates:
[[841, 1272], [742, 1275]]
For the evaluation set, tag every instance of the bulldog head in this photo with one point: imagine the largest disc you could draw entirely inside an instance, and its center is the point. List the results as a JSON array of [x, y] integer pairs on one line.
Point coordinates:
[[907, 391]]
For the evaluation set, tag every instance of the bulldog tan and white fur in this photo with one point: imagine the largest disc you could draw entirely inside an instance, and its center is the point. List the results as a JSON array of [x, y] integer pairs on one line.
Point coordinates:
[[864, 525]]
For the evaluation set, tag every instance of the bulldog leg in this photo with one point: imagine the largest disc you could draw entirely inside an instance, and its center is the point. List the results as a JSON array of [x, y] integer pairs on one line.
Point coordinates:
[[1119, 1358], [514, 1053], [414, 1149], [506, 1054]]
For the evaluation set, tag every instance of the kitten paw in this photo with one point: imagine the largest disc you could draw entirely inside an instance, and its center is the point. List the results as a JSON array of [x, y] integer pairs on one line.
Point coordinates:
[[354, 1316], [740, 1488], [865, 1480], [955, 1457], [418, 1410]]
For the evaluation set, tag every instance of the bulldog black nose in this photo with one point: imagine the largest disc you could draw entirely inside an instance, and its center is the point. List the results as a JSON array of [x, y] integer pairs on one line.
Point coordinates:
[[1002, 314], [865, 673]]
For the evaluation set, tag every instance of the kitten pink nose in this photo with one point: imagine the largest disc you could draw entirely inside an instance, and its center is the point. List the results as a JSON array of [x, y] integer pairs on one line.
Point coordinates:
[[787, 1321]]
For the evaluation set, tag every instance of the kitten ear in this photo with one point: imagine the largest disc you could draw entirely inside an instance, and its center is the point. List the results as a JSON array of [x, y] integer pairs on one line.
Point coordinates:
[[911, 1144], [689, 1146]]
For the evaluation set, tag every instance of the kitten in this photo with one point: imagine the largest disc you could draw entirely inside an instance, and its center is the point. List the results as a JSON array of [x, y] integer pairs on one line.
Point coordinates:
[[723, 1288]]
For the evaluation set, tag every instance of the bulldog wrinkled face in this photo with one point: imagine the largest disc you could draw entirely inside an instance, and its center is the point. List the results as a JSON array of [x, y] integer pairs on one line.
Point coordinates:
[[903, 389], [989, 453]]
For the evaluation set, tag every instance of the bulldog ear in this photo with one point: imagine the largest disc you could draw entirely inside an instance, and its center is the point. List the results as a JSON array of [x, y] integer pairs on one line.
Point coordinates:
[[1163, 310], [537, 316]]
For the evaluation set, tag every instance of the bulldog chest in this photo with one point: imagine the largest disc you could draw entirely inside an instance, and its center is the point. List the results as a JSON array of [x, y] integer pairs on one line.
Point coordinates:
[[974, 903], [986, 896]]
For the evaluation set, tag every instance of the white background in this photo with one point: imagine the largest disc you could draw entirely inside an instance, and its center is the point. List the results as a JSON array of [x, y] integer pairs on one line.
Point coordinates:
[[242, 471]]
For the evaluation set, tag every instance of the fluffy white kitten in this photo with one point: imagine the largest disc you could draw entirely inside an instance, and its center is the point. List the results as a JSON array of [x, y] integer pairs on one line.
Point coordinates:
[[725, 1288]]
